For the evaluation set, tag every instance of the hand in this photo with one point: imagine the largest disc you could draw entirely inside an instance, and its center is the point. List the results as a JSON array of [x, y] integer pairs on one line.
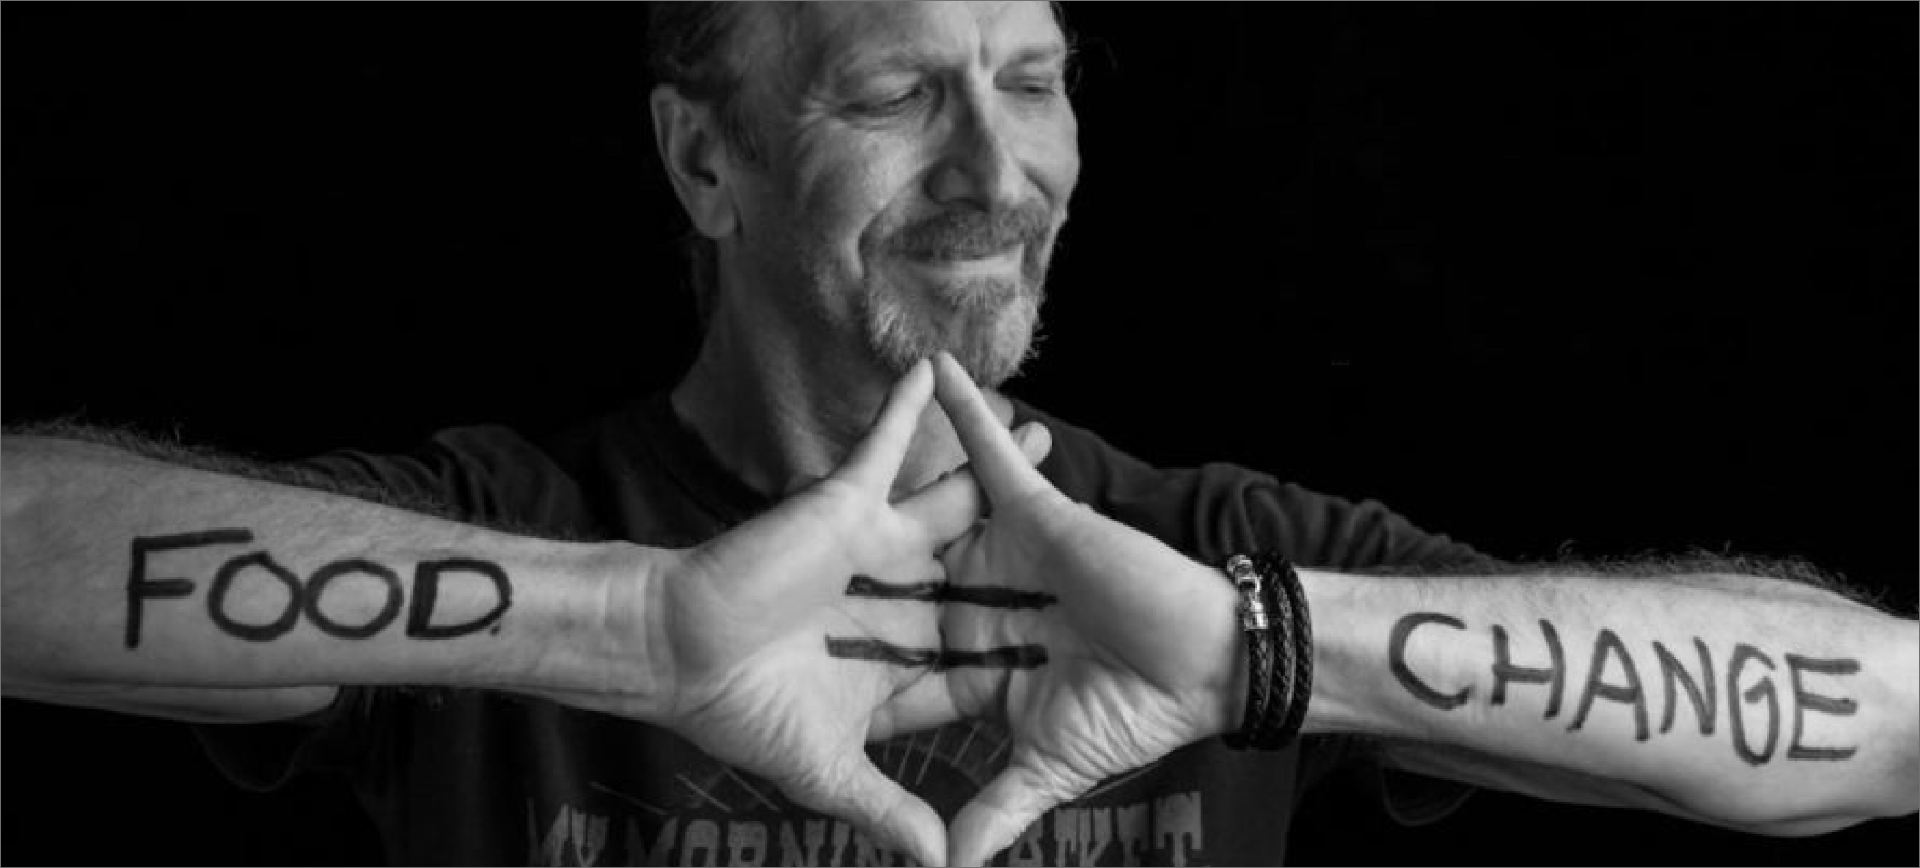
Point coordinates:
[[741, 647], [749, 620], [1140, 643], [748, 617]]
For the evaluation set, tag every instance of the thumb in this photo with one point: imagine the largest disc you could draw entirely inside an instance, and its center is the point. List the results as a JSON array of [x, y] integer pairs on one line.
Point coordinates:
[[999, 814], [992, 454], [875, 460], [879, 807], [949, 507]]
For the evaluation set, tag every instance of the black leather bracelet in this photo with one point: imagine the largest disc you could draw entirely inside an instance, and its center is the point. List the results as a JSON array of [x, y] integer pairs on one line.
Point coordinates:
[[1293, 690], [1280, 651], [1300, 636], [1256, 626], [1265, 734]]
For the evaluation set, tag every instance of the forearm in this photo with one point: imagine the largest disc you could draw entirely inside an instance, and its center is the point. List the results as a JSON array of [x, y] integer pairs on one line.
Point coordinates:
[[124, 573], [1731, 700]]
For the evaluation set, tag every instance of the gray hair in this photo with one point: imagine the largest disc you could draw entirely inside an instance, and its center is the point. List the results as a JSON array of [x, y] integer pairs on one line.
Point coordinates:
[[691, 47], [694, 48]]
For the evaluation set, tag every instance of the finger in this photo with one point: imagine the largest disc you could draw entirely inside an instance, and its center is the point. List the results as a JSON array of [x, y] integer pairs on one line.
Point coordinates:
[[926, 703], [876, 459], [1036, 442], [882, 809], [994, 457], [948, 507], [999, 814]]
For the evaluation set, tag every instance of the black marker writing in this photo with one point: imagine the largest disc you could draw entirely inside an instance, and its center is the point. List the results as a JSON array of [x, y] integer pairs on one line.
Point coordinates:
[[223, 582], [871, 588], [881, 651], [1741, 654], [426, 587], [1397, 660], [1006, 657], [1700, 694], [1802, 699], [304, 598], [1554, 676], [317, 586], [942, 592], [1755, 716], [1608, 644], [140, 588], [999, 598]]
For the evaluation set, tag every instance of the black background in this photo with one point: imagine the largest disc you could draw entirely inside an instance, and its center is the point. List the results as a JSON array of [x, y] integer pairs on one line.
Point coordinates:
[[1604, 279]]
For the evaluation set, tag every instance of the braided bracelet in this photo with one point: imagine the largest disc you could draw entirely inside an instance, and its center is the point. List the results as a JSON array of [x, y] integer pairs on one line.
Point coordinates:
[[1297, 688], [1279, 634], [1254, 625]]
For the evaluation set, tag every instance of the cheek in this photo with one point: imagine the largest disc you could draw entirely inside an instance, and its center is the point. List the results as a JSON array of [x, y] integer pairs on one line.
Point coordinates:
[[1058, 163], [858, 198]]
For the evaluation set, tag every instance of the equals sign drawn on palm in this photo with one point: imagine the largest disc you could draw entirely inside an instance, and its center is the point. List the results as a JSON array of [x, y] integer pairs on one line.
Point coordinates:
[[1002, 657]]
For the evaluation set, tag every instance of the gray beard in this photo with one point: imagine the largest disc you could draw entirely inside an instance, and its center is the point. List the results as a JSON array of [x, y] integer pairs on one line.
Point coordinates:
[[990, 331]]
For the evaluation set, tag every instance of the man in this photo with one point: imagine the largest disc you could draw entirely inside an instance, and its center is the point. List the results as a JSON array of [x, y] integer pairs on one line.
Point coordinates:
[[890, 190]]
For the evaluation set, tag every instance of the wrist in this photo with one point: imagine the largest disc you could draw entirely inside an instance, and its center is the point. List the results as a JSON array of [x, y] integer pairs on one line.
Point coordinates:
[[1276, 631], [1230, 701], [1337, 650], [599, 633], [1224, 700]]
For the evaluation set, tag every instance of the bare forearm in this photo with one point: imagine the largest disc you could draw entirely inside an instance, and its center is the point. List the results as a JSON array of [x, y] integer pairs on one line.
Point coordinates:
[[1730, 700], [127, 574]]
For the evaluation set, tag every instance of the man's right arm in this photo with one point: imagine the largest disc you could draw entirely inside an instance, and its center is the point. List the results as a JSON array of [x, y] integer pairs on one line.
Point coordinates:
[[148, 587], [144, 585]]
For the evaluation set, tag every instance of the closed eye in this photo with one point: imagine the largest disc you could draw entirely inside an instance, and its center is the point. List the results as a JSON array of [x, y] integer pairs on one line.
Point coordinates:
[[895, 104], [1038, 89], [1035, 83]]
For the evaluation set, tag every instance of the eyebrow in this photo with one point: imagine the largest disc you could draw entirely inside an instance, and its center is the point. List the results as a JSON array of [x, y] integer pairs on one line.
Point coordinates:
[[1043, 54], [900, 59], [892, 60]]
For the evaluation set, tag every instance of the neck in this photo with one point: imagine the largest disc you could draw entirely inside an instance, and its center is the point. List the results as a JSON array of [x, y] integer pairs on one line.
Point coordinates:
[[779, 412]]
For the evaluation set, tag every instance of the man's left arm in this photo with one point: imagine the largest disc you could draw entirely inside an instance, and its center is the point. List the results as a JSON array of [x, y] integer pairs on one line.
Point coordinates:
[[1736, 700], [1741, 701]]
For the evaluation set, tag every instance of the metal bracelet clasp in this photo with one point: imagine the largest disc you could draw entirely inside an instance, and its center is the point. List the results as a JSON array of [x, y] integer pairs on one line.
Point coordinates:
[[1253, 610]]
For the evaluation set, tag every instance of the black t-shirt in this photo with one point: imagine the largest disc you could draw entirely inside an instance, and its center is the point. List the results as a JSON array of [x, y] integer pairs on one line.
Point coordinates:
[[480, 777]]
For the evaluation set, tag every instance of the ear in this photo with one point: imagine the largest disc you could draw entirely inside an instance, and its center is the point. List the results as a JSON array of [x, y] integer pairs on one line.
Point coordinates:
[[688, 136]]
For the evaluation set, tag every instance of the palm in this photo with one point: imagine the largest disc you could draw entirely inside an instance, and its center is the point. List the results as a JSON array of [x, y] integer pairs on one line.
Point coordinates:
[[1125, 680], [750, 630], [742, 628], [1138, 639]]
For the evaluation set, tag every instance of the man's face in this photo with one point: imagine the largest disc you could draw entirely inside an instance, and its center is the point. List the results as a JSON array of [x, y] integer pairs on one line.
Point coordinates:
[[918, 159]]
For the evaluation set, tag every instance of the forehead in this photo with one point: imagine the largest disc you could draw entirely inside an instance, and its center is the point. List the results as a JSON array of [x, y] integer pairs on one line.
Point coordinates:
[[831, 38]]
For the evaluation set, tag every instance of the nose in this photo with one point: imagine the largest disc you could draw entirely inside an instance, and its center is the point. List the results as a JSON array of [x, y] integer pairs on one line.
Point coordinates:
[[978, 166]]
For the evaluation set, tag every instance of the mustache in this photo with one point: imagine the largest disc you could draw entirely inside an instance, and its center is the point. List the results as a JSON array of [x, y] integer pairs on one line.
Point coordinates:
[[972, 234]]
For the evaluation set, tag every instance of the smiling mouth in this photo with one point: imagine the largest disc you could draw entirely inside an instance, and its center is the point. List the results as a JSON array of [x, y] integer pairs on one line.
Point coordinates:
[[996, 263]]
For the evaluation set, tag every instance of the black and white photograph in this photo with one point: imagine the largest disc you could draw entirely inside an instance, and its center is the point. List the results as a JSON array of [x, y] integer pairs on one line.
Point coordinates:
[[960, 433]]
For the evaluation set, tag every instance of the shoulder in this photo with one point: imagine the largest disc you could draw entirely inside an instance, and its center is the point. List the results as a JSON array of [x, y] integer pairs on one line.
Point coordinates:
[[1187, 507], [1211, 510], [488, 474], [1081, 461]]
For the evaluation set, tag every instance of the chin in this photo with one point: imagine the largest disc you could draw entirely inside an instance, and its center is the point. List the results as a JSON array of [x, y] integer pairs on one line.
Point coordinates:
[[990, 347], [987, 322], [998, 356]]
